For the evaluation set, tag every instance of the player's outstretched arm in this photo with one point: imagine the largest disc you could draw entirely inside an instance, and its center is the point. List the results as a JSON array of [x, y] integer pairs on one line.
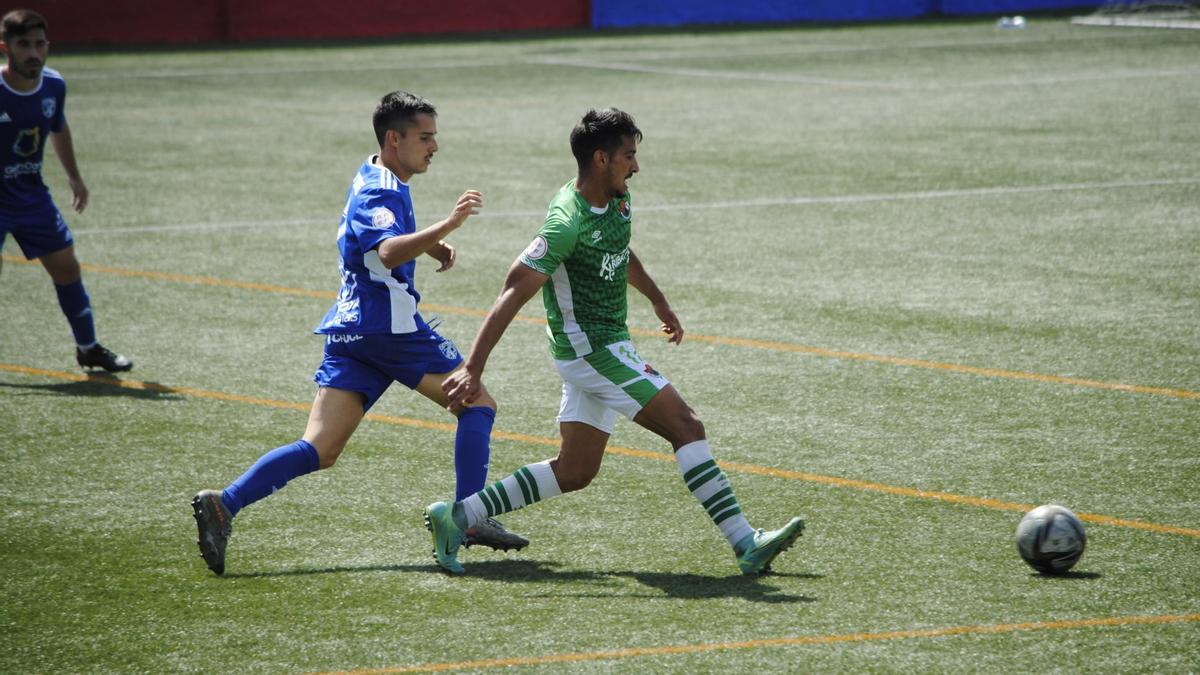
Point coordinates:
[[521, 284], [640, 279], [396, 251], [64, 147]]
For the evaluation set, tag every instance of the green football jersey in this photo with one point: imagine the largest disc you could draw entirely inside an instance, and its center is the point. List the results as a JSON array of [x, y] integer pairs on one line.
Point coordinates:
[[585, 251]]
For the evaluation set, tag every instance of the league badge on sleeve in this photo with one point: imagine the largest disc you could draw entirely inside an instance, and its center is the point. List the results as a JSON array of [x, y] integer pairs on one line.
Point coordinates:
[[537, 248], [383, 217]]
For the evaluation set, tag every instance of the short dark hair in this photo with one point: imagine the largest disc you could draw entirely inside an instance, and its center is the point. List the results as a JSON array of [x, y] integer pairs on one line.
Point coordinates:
[[20, 21], [601, 130], [398, 111]]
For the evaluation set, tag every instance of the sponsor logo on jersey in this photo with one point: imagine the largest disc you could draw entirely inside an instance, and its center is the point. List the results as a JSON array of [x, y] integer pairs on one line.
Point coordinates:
[[331, 339], [383, 217], [448, 349], [611, 263], [48, 107], [347, 311], [537, 248], [625, 210], [22, 169], [650, 371]]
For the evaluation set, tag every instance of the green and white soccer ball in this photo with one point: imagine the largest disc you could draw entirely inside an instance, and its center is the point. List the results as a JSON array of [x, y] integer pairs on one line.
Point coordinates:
[[1051, 539]]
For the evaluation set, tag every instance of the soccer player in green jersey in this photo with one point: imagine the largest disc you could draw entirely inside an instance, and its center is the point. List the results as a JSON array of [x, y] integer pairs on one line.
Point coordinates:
[[581, 262]]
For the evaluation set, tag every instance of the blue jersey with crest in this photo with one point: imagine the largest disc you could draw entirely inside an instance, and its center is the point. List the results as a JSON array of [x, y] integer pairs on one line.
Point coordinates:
[[374, 299], [26, 122]]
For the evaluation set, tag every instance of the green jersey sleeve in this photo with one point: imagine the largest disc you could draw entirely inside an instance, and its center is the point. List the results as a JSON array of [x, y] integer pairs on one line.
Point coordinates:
[[554, 243]]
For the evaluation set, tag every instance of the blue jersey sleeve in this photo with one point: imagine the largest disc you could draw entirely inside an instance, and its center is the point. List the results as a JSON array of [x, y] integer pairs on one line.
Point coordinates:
[[380, 215]]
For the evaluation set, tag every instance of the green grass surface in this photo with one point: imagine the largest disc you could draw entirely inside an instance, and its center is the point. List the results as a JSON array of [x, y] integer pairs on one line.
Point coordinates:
[[1023, 203]]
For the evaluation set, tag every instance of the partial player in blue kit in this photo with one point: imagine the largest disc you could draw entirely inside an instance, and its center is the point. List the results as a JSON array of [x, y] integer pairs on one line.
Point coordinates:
[[32, 101], [374, 333]]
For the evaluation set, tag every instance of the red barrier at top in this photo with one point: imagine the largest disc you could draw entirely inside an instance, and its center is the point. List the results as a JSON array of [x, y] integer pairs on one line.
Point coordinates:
[[89, 22], [115, 22], [285, 19]]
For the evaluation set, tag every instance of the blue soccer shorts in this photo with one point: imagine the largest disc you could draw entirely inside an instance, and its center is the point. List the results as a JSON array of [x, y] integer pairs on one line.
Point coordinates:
[[39, 230], [368, 364]]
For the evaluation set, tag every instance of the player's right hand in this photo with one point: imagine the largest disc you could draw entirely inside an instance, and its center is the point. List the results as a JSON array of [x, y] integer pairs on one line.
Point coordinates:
[[468, 205]]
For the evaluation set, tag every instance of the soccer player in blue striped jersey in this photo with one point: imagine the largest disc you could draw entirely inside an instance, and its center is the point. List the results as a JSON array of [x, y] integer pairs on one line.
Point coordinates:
[[32, 99], [374, 333]]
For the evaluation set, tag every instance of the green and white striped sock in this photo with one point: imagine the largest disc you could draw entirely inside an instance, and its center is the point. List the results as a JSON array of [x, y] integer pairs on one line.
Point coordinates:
[[711, 488], [527, 485]]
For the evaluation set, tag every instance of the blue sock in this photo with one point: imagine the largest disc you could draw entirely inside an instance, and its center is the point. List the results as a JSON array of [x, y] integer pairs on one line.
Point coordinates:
[[472, 451], [77, 307], [270, 473]]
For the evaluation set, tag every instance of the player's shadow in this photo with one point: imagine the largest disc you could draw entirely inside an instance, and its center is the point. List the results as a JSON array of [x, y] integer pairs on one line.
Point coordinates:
[[97, 385], [1073, 575], [503, 570], [307, 571], [665, 585], [701, 587]]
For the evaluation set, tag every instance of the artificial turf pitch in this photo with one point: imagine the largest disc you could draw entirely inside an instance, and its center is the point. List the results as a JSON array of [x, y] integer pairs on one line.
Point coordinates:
[[932, 274]]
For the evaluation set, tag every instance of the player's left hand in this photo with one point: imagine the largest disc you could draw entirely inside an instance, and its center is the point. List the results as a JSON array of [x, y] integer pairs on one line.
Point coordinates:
[[462, 387], [445, 254], [670, 323], [80, 192]]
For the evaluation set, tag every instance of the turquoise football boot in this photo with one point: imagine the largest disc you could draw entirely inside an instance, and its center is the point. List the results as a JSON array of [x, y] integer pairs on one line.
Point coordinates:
[[447, 536], [758, 550]]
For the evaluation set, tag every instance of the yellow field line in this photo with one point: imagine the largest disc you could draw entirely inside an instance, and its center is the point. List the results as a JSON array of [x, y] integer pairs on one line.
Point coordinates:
[[755, 469], [951, 631], [713, 339]]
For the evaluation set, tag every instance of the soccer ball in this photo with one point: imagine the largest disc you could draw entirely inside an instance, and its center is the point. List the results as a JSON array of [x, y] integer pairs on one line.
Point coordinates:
[[1051, 539]]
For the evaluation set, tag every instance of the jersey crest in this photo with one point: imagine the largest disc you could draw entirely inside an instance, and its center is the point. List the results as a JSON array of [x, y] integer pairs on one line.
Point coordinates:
[[28, 142], [49, 106]]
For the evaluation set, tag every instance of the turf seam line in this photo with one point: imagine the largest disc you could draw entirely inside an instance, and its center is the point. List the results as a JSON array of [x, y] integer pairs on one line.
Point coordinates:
[[798, 641], [754, 469], [866, 198], [751, 343]]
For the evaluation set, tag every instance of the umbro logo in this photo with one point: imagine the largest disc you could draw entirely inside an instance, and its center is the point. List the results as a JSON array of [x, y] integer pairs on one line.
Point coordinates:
[[5, 118]]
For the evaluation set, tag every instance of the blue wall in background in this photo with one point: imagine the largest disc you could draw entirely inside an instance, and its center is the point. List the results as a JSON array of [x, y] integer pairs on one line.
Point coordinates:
[[631, 13]]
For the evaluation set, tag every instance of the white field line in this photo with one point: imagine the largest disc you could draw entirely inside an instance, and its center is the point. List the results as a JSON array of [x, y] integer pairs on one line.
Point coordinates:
[[728, 74], [517, 60], [702, 206], [869, 84]]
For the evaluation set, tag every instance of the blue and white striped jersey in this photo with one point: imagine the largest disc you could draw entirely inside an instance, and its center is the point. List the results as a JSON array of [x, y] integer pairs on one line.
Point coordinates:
[[26, 121], [374, 299]]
